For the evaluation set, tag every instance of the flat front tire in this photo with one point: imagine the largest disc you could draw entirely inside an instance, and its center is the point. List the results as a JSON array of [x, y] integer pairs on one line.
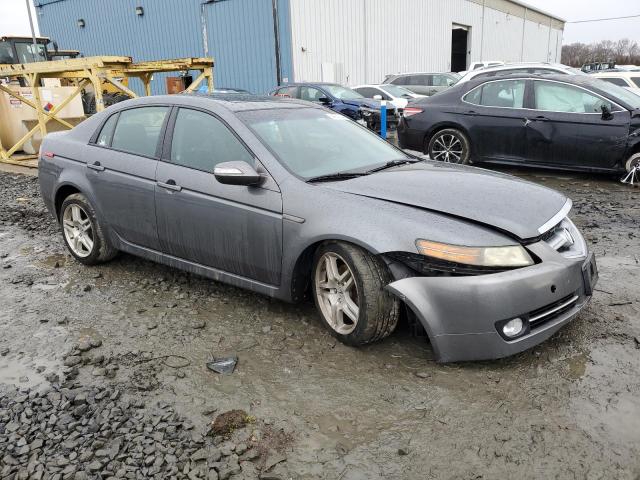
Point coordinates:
[[450, 146], [633, 162], [348, 289], [82, 232]]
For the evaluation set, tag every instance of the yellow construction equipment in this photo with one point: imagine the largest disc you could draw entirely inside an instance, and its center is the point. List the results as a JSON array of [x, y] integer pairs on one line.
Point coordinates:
[[91, 72]]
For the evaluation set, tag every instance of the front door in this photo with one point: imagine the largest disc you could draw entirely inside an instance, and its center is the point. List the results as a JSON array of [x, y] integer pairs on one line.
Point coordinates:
[[122, 170], [231, 228], [567, 127], [496, 120]]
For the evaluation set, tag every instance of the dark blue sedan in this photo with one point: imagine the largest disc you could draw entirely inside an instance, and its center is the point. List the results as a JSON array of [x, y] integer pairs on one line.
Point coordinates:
[[342, 100]]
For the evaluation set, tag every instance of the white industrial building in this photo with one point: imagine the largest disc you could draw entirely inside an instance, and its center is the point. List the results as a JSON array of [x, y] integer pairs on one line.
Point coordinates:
[[361, 41]]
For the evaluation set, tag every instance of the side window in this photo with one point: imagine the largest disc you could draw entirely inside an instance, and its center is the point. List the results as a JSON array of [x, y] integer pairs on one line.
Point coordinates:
[[368, 92], [616, 81], [287, 92], [636, 80], [504, 93], [201, 141], [138, 130], [560, 97], [420, 80], [400, 81], [104, 139], [442, 81], [311, 94]]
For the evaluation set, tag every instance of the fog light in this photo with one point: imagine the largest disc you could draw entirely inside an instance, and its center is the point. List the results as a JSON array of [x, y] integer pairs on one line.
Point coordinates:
[[513, 328]]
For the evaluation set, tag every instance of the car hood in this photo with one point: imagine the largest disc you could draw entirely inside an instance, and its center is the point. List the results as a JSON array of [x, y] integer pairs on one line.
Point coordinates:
[[516, 207], [363, 102]]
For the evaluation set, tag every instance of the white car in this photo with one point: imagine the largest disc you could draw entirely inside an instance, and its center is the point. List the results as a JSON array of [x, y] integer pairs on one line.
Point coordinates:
[[479, 65], [629, 79], [394, 94], [520, 68]]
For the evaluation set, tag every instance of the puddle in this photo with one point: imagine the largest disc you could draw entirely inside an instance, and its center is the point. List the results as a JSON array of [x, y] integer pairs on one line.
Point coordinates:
[[54, 261], [15, 372]]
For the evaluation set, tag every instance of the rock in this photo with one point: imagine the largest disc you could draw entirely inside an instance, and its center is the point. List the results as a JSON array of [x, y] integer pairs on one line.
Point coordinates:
[[273, 459], [4, 352], [72, 361], [152, 326], [199, 455], [84, 345], [227, 422], [198, 324], [266, 329]]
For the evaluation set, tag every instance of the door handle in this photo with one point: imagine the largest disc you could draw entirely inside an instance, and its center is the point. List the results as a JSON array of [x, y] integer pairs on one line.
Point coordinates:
[[95, 166], [170, 185], [471, 113], [541, 118]]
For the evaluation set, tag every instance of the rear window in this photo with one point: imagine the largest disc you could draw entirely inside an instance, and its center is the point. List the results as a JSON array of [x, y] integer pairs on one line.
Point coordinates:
[[138, 130], [616, 81], [504, 93], [636, 80], [104, 139]]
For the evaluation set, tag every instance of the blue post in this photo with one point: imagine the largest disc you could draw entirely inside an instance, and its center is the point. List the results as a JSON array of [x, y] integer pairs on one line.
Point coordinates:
[[383, 119]]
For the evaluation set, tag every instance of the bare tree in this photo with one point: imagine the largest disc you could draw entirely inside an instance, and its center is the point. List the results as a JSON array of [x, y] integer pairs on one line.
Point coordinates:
[[623, 52]]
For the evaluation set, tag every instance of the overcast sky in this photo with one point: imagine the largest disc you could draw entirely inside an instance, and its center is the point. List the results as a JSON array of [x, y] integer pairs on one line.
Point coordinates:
[[14, 19]]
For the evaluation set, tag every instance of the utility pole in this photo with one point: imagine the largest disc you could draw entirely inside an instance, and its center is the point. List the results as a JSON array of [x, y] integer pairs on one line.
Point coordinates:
[[33, 32]]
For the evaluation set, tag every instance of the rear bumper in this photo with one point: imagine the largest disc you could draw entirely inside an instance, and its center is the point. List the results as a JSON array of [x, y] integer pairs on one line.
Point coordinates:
[[460, 313]]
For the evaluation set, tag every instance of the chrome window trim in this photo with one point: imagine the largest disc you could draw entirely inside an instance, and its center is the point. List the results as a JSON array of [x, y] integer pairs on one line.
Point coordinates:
[[557, 218], [620, 108]]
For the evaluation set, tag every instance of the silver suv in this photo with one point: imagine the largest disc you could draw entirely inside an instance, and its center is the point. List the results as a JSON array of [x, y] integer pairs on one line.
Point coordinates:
[[423, 83]]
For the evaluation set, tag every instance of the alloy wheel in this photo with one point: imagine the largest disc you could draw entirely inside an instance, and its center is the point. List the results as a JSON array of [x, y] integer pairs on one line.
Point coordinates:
[[337, 293], [447, 148], [78, 230]]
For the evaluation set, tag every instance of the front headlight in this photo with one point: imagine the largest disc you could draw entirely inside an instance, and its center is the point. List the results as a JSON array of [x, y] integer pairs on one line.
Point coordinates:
[[512, 256]]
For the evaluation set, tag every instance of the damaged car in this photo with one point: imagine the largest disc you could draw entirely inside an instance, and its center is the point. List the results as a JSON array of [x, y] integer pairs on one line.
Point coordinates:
[[292, 200]]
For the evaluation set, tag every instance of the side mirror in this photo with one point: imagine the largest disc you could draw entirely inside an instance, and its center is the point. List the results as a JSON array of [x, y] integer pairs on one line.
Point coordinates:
[[236, 173], [606, 113], [324, 100], [377, 97]]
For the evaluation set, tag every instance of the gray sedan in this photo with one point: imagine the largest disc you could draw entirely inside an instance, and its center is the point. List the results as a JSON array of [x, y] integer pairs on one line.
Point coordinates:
[[292, 200]]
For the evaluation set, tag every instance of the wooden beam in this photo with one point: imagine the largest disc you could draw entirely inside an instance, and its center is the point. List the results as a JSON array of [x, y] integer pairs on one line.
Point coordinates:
[[196, 83]]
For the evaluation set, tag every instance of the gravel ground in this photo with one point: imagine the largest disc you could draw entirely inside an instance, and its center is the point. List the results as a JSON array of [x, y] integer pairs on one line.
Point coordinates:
[[102, 373]]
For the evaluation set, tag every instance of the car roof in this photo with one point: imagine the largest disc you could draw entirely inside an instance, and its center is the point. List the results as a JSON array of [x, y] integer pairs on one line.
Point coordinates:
[[235, 102], [318, 84], [418, 73]]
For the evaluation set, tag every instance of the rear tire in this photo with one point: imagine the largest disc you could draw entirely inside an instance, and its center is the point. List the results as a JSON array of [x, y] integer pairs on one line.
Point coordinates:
[[82, 232], [450, 146], [348, 289]]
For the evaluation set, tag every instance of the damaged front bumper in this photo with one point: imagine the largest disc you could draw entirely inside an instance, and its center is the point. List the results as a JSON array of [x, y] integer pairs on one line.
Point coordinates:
[[462, 315]]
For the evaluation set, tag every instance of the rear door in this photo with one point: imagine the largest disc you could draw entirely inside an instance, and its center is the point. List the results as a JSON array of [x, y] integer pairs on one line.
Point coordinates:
[[232, 228], [496, 120], [566, 127], [420, 83], [122, 171]]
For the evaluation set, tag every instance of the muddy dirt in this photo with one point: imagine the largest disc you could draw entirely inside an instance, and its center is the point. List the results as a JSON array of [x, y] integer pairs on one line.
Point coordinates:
[[569, 408]]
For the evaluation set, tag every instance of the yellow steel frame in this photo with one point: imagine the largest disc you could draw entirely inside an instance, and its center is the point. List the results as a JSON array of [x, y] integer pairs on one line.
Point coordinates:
[[91, 70]]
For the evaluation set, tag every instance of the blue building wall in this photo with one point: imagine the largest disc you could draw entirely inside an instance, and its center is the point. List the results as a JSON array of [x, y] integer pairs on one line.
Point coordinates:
[[240, 35]]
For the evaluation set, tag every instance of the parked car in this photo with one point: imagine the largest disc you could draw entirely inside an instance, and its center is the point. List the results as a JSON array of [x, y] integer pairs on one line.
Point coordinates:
[[289, 199], [480, 65], [556, 121], [396, 96], [423, 83], [626, 79], [342, 100], [521, 68]]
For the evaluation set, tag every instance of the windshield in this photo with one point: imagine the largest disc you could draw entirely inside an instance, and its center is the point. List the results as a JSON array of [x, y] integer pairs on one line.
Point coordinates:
[[620, 93], [396, 91], [342, 93], [29, 53], [311, 142]]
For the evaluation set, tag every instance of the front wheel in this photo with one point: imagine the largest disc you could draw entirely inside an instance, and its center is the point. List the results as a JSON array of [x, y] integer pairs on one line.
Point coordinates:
[[633, 162], [348, 288], [450, 146]]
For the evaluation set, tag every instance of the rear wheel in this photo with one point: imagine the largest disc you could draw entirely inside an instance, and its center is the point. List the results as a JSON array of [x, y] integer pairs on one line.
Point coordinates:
[[633, 162], [348, 288], [83, 233], [450, 146]]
